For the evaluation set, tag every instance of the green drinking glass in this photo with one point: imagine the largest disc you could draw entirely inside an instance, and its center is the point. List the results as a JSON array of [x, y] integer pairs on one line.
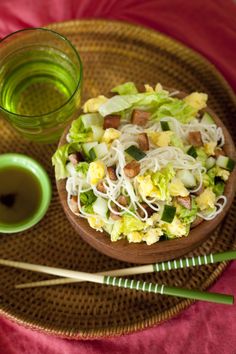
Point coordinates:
[[40, 83]]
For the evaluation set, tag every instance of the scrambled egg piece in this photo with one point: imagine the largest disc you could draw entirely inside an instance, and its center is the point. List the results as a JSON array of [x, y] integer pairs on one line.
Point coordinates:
[[210, 148], [96, 222], [177, 188], [96, 171], [93, 104], [148, 88], [224, 174], [176, 228], [206, 199], [146, 188], [110, 134], [152, 236], [160, 138], [158, 87], [197, 100], [153, 219], [135, 237]]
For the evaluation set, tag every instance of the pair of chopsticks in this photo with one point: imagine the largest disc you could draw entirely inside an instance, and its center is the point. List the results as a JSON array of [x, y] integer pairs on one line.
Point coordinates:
[[110, 277]]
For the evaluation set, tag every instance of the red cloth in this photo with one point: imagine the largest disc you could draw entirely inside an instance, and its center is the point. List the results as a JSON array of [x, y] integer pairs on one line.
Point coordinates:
[[208, 26]]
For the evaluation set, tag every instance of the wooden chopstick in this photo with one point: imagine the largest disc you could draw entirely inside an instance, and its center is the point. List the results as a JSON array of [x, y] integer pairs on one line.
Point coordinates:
[[157, 267], [124, 283]]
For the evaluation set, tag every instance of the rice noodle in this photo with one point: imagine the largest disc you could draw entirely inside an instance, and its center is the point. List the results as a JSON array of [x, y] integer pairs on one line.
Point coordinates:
[[155, 160]]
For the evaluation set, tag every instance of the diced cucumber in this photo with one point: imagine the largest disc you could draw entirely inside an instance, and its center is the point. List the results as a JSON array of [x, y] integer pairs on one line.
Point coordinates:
[[165, 125], [168, 213], [207, 119], [187, 178], [86, 147], [210, 162], [100, 207], [97, 132], [225, 162], [192, 152], [92, 119], [98, 151], [135, 152]]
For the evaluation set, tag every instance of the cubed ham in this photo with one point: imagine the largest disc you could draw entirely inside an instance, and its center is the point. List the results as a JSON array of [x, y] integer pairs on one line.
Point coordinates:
[[195, 138], [122, 200], [111, 121], [140, 117], [196, 222], [113, 215], [112, 173], [73, 158], [148, 209], [219, 152], [143, 141], [200, 191], [101, 188], [74, 203], [185, 201], [132, 169]]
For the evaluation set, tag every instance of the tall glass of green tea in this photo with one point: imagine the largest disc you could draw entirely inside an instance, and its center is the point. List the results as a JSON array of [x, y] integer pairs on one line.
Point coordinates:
[[40, 83]]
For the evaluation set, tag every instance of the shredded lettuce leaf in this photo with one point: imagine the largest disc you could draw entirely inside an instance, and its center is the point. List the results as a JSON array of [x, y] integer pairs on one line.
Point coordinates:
[[121, 103], [130, 223], [117, 230], [219, 188], [128, 88], [161, 180], [178, 109], [87, 198], [187, 216], [60, 158], [82, 167], [78, 133]]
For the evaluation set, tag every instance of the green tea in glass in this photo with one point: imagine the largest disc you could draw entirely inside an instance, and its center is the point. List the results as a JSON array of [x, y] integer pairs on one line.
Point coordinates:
[[40, 83]]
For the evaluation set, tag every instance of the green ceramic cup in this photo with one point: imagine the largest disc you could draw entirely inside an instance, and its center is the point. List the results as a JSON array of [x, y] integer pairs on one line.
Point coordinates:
[[23, 162]]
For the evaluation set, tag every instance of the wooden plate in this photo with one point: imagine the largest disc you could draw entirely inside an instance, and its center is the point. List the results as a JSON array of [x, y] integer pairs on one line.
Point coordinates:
[[160, 251]]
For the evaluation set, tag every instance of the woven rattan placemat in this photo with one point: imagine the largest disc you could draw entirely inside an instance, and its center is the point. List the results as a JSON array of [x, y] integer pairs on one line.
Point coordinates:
[[112, 52]]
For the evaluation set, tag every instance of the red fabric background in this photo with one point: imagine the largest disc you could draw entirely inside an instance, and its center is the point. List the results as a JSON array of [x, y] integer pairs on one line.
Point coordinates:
[[208, 26]]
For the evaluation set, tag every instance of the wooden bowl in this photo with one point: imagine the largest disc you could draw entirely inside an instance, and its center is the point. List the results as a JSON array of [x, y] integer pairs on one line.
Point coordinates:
[[160, 251]]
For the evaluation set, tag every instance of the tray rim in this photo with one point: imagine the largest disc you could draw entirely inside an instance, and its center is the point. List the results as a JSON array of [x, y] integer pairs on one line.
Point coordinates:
[[212, 278]]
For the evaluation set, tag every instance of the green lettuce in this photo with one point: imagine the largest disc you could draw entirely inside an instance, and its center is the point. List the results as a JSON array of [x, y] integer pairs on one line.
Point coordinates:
[[87, 198], [88, 209], [117, 230], [176, 141], [161, 180], [201, 156], [60, 158], [127, 88], [177, 109], [82, 167], [187, 216], [219, 188], [78, 133], [121, 103], [130, 223]]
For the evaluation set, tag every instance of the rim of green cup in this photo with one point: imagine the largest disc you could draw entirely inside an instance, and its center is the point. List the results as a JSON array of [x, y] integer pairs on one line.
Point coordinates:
[[26, 162], [79, 83]]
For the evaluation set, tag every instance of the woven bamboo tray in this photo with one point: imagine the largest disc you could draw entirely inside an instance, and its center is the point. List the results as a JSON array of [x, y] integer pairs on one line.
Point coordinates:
[[112, 52]]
